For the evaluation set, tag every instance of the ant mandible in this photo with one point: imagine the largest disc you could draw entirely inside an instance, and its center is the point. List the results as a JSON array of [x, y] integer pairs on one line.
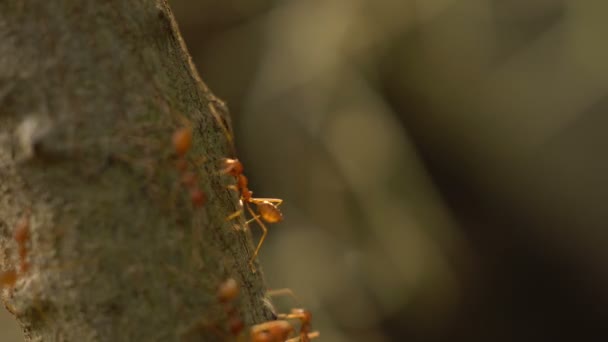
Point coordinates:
[[268, 208]]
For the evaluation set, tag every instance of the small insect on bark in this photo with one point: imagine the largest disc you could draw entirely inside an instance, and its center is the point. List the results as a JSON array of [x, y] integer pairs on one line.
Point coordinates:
[[271, 331], [227, 293], [267, 208], [303, 315], [182, 142], [22, 237]]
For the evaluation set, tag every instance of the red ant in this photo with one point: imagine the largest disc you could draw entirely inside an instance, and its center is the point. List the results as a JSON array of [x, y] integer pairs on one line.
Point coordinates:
[[182, 141], [268, 208], [277, 331], [303, 315], [226, 294], [272, 331], [305, 318], [22, 237]]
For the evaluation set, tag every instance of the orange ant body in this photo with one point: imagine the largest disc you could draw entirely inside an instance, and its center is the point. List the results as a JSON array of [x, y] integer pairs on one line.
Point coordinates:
[[8, 278], [268, 208], [226, 294], [182, 141], [272, 331], [305, 318], [277, 331], [303, 315], [22, 237]]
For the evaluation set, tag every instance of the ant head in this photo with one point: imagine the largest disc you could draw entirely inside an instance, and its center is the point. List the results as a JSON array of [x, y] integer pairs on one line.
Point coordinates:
[[305, 315], [233, 167]]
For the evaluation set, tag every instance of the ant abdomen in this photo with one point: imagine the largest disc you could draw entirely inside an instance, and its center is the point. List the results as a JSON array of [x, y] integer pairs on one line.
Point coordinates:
[[269, 212]]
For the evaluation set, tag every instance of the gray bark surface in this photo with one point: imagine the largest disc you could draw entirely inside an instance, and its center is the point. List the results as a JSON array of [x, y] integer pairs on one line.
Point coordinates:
[[90, 95]]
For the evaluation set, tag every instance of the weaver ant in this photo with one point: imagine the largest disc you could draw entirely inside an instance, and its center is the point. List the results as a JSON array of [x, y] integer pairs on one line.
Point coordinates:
[[226, 294], [271, 331], [303, 315], [277, 331], [268, 208], [182, 141], [22, 237]]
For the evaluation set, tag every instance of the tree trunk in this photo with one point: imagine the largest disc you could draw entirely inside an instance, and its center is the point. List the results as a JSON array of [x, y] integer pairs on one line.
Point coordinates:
[[91, 93]]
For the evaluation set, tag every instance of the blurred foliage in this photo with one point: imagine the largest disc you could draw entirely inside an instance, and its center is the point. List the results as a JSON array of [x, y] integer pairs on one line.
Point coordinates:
[[441, 161]]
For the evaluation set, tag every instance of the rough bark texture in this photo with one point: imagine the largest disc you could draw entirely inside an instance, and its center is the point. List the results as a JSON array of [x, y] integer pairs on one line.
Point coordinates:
[[90, 94]]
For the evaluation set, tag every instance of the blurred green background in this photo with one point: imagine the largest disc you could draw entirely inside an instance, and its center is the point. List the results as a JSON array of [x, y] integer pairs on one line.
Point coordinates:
[[442, 161]]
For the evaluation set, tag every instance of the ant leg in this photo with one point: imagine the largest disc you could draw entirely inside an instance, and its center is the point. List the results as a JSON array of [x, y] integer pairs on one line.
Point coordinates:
[[299, 316], [253, 219], [276, 201], [308, 337], [283, 292], [264, 232], [234, 215]]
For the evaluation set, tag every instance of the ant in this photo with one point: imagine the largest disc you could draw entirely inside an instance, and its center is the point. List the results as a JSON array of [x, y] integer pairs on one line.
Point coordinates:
[[305, 318], [303, 315], [22, 237], [182, 141], [226, 294], [277, 331], [268, 208], [271, 331]]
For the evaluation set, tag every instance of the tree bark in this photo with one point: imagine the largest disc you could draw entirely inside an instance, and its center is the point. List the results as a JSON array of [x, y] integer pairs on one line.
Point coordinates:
[[90, 95]]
